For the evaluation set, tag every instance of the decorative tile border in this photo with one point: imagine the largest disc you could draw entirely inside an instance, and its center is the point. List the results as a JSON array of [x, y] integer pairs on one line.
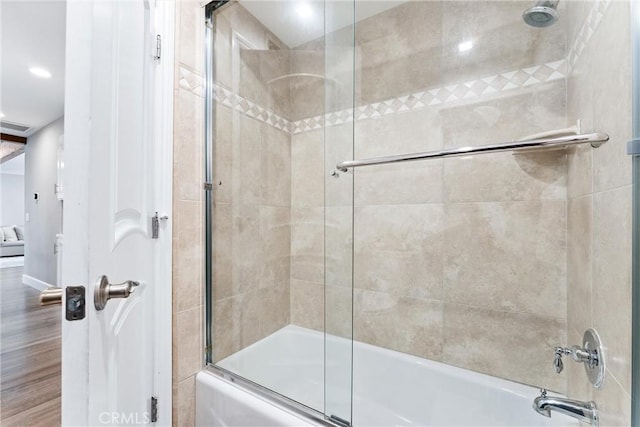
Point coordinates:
[[229, 99], [191, 81], [195, 84], [587, 30], [439, 96], [497, 83]]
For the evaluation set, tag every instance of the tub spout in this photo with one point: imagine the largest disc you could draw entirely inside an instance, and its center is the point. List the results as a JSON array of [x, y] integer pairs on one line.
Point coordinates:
[[583, 411]]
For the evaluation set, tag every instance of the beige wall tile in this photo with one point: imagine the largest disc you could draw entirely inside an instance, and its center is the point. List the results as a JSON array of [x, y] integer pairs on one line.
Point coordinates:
[[580, 171], [223, 50], [398, 250], [398, 50], [251, 312], [580, 106], [308, 95], [612, 86], [407, 132], [247, 160], [187, 151], [188, 255], [493, 342], [307, 244], [227, 331], [223, 155], [275, 308], [186, 404], [191, 34], [501, 40], [275, 165], [612, 279], [509, 116], [576, 14], [614, 404], [338, 146], [275, 246], [579, 261], [408, 325], [340, 311], [275, 63], [307, 304], [418, 182], [338, 240], [507, 256], [307, 169], [410, 132], [505, 177], [245, 248], [187, 343], [224, 283]]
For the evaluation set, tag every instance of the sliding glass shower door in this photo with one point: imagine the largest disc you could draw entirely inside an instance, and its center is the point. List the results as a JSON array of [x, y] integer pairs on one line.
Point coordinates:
[[279, 238]]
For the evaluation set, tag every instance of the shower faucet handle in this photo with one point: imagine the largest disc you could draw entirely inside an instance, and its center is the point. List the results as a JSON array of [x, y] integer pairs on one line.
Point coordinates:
[[557, 360], [578, 354]]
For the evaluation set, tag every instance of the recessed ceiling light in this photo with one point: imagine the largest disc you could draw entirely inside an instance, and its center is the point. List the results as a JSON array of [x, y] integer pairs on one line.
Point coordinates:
[[465, 46], [1, 114], [304, 10], [40, 72]]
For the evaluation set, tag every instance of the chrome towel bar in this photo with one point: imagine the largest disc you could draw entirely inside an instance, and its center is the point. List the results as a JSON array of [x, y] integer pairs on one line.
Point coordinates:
[[595, 139]]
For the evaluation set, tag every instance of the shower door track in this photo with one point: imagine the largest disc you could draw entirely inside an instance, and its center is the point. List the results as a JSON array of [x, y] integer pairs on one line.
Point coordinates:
[[273, 397]]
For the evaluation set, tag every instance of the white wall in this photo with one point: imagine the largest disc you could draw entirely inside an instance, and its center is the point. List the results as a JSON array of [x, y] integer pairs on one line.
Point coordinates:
[[45, 213], [12, 191]]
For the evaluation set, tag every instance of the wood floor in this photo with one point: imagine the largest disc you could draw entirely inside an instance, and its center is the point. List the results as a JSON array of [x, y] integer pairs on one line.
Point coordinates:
[[29, 355]]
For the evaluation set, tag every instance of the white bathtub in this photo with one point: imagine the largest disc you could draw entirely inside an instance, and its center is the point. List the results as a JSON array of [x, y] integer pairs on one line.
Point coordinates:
[[389, 388]]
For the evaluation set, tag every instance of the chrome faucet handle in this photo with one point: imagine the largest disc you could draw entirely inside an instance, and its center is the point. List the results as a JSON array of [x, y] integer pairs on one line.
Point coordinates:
[[557, 360], [591, 355], [578, 354]]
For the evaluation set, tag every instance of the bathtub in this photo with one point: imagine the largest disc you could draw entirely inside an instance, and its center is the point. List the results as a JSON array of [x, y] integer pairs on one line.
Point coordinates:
[[389, 388]]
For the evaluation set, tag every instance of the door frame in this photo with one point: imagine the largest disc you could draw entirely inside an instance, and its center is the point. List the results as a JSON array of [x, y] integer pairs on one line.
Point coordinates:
[[75, 260]]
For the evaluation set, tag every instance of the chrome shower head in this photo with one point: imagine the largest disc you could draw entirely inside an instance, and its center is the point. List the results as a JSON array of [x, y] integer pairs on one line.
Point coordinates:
[[542, 14]]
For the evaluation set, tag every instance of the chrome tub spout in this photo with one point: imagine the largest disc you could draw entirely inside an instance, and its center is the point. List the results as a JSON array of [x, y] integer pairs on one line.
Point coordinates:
[[583, 411]]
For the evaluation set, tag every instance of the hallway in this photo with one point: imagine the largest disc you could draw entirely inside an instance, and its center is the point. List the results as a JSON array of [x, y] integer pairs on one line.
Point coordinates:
[[30, 355]]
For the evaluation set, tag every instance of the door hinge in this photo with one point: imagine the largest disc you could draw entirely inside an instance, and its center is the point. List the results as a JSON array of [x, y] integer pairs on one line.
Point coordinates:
[[154, 409], [158, 53]]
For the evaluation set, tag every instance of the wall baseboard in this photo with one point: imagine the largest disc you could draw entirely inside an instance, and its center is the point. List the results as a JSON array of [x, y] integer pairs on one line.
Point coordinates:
[[35, 283]]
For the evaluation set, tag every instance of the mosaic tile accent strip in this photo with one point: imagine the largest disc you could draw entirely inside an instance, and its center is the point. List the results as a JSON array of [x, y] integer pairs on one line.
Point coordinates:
[[439, 96], [227, 98], [195, 84], [191, 81], [433, 97], [586, 31]]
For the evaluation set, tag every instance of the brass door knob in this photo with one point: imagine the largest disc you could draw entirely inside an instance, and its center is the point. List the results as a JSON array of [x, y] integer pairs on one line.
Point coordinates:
[[51, 296]]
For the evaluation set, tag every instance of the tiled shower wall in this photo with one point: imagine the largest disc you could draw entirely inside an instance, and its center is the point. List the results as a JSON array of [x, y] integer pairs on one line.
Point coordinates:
[[252, 191], [599, 201], [188, 247], [462, 261]]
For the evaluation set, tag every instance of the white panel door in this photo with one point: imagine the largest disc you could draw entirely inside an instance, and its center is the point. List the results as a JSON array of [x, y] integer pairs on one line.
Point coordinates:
[[117, 358]]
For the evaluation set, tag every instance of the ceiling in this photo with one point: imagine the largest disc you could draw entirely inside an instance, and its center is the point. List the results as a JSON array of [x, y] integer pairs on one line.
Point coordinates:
[[296, 22], [32, 35]]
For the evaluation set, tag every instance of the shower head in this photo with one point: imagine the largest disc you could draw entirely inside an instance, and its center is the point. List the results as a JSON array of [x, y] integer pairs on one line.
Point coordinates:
[[542, 14]]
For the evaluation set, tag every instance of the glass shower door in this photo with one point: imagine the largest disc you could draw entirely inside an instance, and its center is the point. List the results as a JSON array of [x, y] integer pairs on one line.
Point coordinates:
[[338, 123], [279, 276]]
